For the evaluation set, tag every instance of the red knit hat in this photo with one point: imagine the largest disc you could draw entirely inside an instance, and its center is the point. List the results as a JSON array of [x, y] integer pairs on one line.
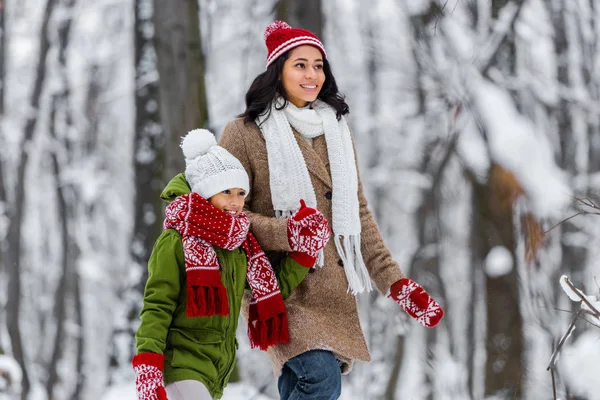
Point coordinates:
[[280, 38]]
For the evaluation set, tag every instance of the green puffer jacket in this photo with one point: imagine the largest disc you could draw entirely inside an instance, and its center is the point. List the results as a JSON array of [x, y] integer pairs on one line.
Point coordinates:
[[202, 348]]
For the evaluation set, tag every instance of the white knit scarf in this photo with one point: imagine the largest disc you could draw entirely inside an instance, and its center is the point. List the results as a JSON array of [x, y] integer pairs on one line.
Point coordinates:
[[290, 180]]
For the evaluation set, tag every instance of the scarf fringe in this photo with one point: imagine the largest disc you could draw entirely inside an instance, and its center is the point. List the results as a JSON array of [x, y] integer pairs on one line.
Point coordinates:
[[204, 301], [283, 213], [348, 248], [320, 258], [266, 333]]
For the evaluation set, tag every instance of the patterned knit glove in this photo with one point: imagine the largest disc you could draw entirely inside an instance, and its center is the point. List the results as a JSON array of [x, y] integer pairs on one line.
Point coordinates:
[[148, 376], [413, 299], [308, 232]]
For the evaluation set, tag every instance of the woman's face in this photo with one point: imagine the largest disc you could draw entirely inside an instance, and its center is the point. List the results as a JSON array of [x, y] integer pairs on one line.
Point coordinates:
[[303, 76]]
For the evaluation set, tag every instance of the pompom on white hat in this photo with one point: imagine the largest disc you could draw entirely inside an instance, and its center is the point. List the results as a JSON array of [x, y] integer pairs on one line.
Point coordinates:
[[209, 168]]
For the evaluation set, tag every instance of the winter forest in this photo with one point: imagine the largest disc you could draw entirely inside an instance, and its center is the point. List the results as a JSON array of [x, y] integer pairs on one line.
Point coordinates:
[[477, 126]]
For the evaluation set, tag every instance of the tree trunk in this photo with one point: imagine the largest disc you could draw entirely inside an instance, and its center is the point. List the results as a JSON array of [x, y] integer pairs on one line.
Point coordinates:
[[3, 53], [3, 200], [13, 254], [3, 244], [306, 14], [504, 339], [149, 149], [148, 157], [495, 227], [180, 61], [80, 343], [64, 290], [60, 297]]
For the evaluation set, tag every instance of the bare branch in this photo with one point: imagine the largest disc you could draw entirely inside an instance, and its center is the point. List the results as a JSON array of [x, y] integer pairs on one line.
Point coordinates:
[[553, 384], [565, 220], [584, 201], [561, 342]]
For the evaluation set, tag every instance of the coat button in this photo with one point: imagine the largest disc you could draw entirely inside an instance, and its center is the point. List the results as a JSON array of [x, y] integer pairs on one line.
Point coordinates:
[[328, 195], [341, 263], [312, 270]]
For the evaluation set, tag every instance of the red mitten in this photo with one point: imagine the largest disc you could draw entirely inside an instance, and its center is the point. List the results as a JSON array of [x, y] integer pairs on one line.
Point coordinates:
[[308, 232], [148, 376], [413, 299]]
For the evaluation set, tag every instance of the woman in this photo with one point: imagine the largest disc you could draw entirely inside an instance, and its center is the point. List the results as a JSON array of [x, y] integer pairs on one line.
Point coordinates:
[[294, 143]]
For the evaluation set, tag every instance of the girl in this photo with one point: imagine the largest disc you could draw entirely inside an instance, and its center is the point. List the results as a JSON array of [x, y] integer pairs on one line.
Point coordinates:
[[197, 274], [294, 142]]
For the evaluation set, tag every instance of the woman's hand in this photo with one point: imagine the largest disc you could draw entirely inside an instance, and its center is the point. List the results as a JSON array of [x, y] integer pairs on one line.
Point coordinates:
[[308, 232], [413, 299], [148, 376]]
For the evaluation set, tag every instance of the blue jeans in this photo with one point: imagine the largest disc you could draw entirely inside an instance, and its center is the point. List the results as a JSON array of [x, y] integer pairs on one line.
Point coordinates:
[[315, 375]]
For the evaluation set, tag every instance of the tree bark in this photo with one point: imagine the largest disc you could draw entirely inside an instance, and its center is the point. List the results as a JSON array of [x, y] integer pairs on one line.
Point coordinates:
[[64, 290], [148, 159], [504, 338], [306, 14], [60, 297], [13, 254], [3, 200], [3, 53], [182, 89], [149, 150], [80, 344]]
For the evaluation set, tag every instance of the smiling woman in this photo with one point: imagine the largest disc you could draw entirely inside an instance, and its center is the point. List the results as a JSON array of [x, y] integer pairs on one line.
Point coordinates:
[[303, 76], [294, 142]]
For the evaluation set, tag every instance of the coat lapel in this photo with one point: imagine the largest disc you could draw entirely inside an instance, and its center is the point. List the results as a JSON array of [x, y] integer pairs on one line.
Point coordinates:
[[315, 156]]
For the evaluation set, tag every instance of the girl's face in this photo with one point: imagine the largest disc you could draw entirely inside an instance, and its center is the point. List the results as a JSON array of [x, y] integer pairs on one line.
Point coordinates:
[[303, 76], [230, 200]]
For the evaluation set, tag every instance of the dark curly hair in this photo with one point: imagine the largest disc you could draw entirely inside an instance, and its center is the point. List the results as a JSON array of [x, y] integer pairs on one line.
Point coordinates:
[[266, 86]]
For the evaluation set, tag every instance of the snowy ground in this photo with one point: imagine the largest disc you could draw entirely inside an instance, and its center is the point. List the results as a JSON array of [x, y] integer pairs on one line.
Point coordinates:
[[233, 391]]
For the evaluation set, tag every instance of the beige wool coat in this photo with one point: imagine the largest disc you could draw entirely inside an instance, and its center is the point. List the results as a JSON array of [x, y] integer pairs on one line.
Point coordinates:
[[322, 313]]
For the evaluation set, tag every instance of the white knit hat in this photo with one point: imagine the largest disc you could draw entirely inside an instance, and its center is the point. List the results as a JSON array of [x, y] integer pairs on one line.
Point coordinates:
[[209, 168]]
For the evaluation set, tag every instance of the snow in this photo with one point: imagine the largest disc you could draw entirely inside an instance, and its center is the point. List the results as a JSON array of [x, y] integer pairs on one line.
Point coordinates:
[[121, 392], [233, 391], [498, 262], [417, 7], [572, 293], [517, 145], [10, 373], [579, 364], [472, 147]]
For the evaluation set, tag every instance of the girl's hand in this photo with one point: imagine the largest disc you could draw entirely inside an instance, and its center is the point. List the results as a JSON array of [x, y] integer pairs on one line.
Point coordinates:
[[148, 376]]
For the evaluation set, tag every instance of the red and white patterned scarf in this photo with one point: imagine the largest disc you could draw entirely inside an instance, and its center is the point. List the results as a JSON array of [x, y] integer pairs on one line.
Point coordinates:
[[203, 226]]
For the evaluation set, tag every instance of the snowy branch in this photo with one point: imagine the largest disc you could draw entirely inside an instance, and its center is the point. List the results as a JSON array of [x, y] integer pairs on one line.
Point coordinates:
[[503, 27], [574, 294], [573, 290]]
